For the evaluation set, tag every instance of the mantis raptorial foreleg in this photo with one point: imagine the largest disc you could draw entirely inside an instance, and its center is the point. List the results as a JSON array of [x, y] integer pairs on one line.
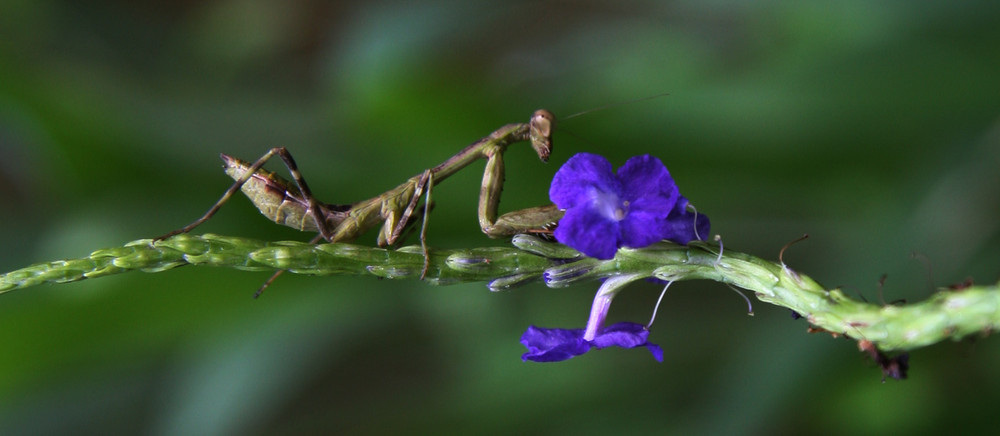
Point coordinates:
[[425, 183], [295, 206]]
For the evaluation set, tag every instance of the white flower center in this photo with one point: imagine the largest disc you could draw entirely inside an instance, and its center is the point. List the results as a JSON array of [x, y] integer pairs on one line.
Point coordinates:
[[609, 205]]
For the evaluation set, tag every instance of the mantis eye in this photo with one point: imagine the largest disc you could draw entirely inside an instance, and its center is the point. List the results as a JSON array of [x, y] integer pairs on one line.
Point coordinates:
[[540, 132]]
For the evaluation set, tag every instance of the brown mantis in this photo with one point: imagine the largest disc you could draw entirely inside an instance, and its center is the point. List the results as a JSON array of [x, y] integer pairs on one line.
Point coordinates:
[[396, 209]]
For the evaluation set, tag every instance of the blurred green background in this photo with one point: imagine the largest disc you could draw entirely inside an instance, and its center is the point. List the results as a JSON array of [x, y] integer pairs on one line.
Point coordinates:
[[872, 126]]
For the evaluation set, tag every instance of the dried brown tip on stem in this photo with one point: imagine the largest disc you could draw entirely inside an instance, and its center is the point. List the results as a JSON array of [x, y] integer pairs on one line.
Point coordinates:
[[965, 284], [881, 284], [895, 367], [781, 254], [813, 329], [926, 262]]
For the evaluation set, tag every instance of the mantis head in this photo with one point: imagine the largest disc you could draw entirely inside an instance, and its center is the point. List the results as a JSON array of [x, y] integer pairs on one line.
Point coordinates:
[[540, 132]]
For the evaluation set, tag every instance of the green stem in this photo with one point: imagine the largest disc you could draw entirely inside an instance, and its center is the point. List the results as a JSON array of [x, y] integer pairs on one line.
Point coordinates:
[[947, 314]]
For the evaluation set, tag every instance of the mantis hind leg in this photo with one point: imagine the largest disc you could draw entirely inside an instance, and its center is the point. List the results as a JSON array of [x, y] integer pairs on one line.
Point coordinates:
[[313, 205], [279, 272]]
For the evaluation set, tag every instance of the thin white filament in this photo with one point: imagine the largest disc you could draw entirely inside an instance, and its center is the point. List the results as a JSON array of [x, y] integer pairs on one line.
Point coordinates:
[[695, 210], [717, 261], [721, 248], [657, 307], [745, 298]]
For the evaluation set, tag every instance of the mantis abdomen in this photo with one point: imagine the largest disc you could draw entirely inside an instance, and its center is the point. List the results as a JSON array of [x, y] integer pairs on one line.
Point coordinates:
[[279, 200]]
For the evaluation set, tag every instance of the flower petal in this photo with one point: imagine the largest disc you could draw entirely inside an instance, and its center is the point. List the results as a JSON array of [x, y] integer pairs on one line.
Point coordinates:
[[589, 232], [646, 223], [553, 345], [655, 350], [575, 182], [627, 335], [622, 334], [646, 176], [687, 226]]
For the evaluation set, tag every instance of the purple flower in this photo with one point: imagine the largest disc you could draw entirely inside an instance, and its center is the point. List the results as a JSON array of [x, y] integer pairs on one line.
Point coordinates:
[[553, 345], [687, 226], [637, 207]]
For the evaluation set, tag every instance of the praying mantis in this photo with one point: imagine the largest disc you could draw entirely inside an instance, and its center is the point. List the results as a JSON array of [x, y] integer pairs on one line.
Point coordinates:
[[396, 209]]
